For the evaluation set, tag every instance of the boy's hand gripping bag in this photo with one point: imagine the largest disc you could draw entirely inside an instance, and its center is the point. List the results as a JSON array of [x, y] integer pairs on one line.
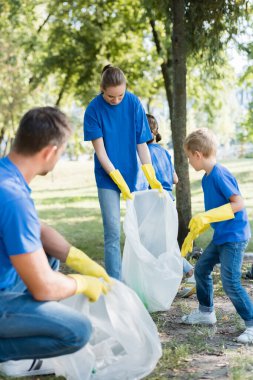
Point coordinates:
[[124, 344], [152, 263]]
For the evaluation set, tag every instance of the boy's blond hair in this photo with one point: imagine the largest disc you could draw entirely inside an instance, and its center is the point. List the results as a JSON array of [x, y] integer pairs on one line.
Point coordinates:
[[203, 141]]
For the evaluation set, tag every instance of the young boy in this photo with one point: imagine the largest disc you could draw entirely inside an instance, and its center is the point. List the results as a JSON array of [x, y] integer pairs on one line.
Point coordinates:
[[226, 213]]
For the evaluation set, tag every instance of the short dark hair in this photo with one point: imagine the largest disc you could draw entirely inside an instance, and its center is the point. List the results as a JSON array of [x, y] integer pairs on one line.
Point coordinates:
[[40, 127], [112, 77]]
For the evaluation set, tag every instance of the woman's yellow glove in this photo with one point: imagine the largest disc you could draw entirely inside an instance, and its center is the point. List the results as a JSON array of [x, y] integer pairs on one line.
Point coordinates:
[[91, 287], [198, 224], [81, 263], [121, 183], [149, 172]]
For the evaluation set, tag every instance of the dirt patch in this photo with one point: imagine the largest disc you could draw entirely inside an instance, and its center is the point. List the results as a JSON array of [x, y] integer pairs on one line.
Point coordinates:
[[200, 352]]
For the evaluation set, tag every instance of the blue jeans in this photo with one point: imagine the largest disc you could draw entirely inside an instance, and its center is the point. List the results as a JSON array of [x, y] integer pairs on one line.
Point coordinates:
[[110, 209], [230, 256], [32, 329]]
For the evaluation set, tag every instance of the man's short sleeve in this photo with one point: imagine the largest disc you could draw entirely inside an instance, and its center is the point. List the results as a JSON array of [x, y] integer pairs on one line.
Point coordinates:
[[92, 128], [21, 227]]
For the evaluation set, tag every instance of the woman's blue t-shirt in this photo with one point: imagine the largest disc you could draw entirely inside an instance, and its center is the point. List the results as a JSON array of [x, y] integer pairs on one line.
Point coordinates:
[[122, 127], [19, 223], [218, 187]]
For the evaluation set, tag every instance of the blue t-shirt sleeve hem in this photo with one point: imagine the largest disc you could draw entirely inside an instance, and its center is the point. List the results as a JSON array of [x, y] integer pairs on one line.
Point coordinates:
[[28, 250], [92, 136]]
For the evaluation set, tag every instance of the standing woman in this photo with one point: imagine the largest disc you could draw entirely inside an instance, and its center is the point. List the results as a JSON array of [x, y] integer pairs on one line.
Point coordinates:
[[116, 123]]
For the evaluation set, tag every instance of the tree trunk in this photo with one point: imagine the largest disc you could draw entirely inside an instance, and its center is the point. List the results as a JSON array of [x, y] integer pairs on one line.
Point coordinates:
[[178, 126], [165, 67]]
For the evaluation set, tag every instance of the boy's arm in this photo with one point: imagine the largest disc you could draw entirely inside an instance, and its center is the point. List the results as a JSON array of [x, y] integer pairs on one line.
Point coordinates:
[[201, 222], [219, 214]]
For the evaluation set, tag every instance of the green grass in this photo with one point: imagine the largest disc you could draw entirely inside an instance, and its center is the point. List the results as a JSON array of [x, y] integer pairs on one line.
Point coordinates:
[[67, 200]]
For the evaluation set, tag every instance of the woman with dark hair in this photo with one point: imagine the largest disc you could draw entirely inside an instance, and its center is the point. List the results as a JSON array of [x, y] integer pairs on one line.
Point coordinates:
[[116, 123]]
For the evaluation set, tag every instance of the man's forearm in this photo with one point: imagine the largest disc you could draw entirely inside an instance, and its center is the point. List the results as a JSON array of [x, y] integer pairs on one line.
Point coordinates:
[[54, 243]]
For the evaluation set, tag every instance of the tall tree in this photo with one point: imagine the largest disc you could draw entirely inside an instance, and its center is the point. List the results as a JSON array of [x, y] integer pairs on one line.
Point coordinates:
[[178, 125]]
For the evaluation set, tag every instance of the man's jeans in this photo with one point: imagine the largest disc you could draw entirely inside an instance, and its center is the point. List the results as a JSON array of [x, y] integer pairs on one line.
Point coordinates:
[[230, 256], [110, 209], [32, 329]]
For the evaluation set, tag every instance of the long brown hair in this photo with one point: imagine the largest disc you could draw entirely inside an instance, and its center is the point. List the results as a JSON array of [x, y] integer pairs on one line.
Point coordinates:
[[153, 125]]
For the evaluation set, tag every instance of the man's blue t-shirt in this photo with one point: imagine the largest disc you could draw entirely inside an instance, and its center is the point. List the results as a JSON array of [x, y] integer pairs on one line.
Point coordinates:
[[218, 187], [122, 127], [19, 223]]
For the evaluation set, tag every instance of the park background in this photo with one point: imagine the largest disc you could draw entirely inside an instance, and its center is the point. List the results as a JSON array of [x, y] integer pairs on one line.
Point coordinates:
[[190, 63]]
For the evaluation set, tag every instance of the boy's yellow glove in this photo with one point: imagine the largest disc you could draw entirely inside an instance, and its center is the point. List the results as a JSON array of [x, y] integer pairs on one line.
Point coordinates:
[[91, 287], [187, 244], [149, 172], [198, 224], [121, 183], [83, 264]]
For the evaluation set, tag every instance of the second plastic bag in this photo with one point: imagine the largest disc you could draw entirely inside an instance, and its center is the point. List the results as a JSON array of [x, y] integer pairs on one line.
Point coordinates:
[[124, 344], [152, 263]]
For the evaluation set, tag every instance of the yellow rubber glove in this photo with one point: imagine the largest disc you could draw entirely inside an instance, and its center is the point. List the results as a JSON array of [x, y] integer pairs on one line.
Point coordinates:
[[149, 172], [121, 183], [187, 244], [83, 264], [188, 241], [219, 214], [91, 287]]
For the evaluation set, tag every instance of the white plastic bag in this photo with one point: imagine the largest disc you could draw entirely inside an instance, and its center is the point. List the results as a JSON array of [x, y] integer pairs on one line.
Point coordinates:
[[152, 263], [124, 344]]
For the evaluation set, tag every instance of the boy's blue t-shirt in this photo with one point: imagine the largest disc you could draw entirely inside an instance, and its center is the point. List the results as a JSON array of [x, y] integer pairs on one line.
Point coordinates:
[[19, 223], [218, 187], [122, 127]]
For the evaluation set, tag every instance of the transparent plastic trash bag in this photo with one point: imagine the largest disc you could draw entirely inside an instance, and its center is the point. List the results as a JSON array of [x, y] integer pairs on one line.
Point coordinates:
[[124, 344], [152, 263]]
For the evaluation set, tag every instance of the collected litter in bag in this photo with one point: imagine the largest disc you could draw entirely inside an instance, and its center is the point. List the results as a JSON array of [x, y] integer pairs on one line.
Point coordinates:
[[124, 344], [152, 263]]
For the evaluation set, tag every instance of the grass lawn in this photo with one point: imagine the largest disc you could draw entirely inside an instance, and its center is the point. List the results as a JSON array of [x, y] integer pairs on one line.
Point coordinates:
[[67, 200]]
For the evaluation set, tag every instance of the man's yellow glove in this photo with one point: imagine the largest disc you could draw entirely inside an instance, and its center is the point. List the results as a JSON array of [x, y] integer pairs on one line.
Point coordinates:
[[83, 264], [91, 287], [121, 183], [149, 172], [200, 221]]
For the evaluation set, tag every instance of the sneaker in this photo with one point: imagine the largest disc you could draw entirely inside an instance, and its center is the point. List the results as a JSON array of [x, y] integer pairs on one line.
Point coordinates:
[[190, 280], [187, 291], [22, 368], [246, 336], [198, 317]]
